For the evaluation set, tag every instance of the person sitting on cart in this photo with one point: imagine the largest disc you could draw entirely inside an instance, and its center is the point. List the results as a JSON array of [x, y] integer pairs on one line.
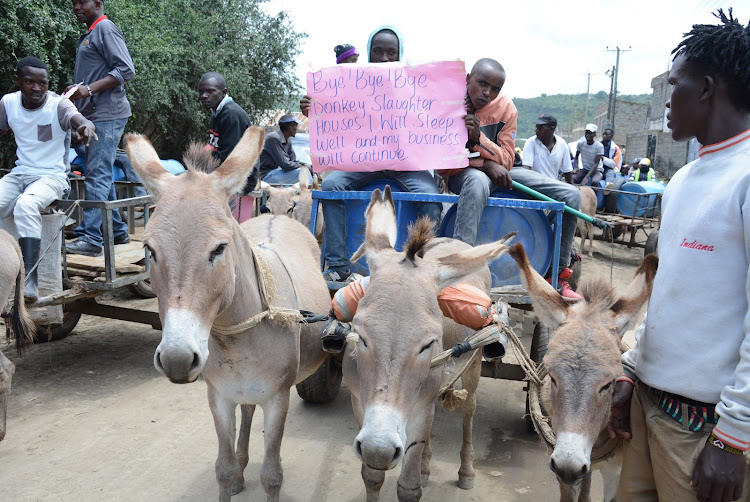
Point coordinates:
[[278, 163], [494, 139], [591, 153], [384, 45], [643, 171], [41, 122]]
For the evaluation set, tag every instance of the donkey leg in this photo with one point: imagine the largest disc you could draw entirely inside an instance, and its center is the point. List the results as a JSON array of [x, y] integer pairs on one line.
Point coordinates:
[[409, 485], [590, 234], [373, 480], [271, 473], [610, 470], [470, 382], [426, 457], [226, 462], [243, 444]]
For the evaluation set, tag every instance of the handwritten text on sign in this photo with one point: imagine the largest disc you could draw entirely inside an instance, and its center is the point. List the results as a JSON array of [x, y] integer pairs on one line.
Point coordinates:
[[388, 116]]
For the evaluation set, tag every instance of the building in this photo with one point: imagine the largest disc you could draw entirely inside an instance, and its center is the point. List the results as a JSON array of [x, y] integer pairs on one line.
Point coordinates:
[[655, 140], [629, 118]]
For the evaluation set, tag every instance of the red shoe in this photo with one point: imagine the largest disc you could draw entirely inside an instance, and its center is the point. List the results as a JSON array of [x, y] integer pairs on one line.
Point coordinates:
[[564, 286]]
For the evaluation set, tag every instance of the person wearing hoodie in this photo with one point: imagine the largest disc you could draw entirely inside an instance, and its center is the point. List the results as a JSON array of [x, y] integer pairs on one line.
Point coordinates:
[[384, 45]]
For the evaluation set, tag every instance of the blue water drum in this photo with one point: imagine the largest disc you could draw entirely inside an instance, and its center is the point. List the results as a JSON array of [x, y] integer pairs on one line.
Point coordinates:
[[534, 232], [406, 212], [173, 166], [629, 204]]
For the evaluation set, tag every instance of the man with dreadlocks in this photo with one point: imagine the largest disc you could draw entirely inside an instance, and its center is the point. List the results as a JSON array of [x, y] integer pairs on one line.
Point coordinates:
[[685, 394]]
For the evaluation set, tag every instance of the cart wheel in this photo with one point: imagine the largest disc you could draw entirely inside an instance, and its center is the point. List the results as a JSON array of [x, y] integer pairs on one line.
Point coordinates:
[[651, 243], [539, 342], [142, 289], [323, 385], [53, 332]]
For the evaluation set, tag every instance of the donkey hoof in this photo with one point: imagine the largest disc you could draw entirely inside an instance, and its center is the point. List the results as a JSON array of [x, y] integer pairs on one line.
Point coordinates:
[[237, 486], [466, 482], [425, 478]]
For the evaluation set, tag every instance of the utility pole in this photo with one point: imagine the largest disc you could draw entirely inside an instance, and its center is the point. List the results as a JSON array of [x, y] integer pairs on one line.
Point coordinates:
[[588, 96], [613, 95], [611, 75]]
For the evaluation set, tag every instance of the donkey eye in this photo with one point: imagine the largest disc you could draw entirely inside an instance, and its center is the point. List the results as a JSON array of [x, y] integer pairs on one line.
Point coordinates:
[[427, 347], [217, 252], [606, 388], [552, 379], [363, 342], [151, 252]]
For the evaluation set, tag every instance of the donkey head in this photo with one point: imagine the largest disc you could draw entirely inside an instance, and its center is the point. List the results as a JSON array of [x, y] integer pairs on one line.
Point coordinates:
[[295, 201], [193, 243], [400, 326], [583, 358]]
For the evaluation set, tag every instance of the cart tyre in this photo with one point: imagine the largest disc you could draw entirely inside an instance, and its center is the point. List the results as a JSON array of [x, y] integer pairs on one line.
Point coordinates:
[[142, 289], [539, 342], [323, 385], [651, 243], [54, 332]]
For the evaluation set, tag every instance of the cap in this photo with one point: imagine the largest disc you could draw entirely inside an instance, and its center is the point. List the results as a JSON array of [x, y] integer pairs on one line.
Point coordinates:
[[344, 51], [546, 120], [636, 161], [644, 162], [591, 127], [289, 118]]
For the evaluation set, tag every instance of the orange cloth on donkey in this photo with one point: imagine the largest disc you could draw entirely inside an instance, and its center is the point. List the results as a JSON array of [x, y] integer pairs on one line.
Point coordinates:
[[464, 303]]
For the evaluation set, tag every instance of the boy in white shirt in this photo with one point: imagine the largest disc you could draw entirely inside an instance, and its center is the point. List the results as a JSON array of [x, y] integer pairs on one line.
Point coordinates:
[[41, 122]]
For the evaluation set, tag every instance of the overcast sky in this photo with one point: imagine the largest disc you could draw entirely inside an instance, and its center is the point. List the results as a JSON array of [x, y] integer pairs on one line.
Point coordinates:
[[546, 46]]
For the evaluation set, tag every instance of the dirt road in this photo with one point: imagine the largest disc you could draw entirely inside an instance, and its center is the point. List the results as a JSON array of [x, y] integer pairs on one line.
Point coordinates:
[[91, 419]]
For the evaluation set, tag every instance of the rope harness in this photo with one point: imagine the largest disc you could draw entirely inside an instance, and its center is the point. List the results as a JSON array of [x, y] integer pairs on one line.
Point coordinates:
[[284, 317]]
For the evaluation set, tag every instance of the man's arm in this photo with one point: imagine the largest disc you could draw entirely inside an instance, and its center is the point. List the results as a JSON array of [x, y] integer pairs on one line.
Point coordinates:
[[618, 158], [527, 155], [84, 129]]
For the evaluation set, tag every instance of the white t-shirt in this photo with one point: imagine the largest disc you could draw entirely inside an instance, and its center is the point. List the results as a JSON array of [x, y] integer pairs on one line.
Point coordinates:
[[589, 153], [42, 135], [540, 159]]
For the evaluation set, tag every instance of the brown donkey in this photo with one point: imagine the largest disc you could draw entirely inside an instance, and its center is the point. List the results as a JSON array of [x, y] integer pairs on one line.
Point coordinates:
[[583, 361], [400, 328], [295, 202], [206, 270], [12, 272]]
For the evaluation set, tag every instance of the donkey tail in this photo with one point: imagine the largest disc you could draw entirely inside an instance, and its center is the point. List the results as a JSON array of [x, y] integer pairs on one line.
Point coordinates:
[[21, 325]]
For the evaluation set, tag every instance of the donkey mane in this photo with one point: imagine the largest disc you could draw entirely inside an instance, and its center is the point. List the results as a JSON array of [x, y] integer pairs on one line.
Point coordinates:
[[198, 158], [597, 291], [420, 233]]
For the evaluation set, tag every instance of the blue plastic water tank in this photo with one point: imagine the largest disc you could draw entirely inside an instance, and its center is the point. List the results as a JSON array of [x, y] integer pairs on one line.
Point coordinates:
[[173, 166], [534, 232], [406, 213], [647, 206]]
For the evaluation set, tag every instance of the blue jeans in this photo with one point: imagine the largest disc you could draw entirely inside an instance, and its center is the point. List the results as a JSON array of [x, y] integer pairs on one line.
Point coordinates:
[[100, 157], [609, 175], [123, 162], [474, 187], [280, 177], [334, 212]]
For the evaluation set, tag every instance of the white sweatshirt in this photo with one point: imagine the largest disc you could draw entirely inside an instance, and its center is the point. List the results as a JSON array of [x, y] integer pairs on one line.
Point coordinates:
[[696, 341]]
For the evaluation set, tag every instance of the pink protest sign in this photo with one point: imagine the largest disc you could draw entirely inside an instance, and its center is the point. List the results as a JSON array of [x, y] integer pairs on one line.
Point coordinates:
[[388, 116]]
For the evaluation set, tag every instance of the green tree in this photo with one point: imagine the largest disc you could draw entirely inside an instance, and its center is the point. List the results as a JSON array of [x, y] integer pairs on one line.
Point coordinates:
[[172, 43]]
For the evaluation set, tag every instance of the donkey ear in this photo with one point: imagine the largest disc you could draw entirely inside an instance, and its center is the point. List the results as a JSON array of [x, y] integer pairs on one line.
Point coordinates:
[[549, 306], [231, 176], [381, 229], [146, 163], [304, 178], [456, 266], [639, 291]]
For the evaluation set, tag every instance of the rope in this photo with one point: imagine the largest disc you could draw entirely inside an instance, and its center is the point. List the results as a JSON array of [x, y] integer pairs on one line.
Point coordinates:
[[267, 290]]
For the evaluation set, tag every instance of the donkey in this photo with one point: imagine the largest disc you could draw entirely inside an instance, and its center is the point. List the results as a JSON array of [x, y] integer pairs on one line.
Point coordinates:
[[21, 326], [583, 362], [401, 328], [588, 206], [295, 202], [210, 274]]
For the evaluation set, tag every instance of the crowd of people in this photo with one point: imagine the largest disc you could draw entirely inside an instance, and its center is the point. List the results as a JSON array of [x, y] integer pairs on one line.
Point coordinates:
[[683, 401]]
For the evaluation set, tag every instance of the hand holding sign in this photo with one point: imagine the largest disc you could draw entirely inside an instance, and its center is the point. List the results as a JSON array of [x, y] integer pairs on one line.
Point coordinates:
[[388, 116]]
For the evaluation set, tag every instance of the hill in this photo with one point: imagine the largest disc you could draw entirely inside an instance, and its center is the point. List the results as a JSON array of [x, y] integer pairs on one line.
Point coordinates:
[[568, 108]]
